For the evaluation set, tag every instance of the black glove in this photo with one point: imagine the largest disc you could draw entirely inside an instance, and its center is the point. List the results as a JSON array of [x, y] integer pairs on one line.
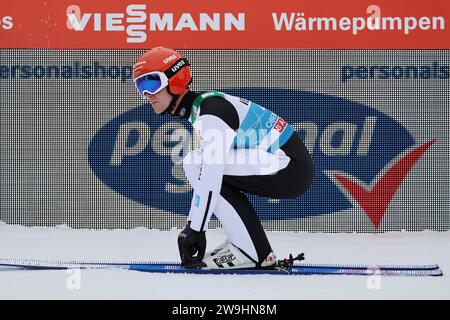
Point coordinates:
[[191, 242]]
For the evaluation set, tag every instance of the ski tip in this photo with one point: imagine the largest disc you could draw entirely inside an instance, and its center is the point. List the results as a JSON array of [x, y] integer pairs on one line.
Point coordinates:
[[437, 273]]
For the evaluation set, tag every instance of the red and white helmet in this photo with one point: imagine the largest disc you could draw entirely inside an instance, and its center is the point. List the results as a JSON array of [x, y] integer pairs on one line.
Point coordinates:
[[159, 68]]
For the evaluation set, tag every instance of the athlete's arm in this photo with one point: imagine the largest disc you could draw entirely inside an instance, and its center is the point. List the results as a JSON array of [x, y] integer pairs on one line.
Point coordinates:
[[217, 124]]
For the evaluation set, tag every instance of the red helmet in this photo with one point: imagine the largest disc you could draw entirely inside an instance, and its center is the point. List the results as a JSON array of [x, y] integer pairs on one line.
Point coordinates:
[[170, 62]]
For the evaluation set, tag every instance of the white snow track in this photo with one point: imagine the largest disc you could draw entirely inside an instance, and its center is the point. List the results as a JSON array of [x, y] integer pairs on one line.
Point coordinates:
[[142, 245]]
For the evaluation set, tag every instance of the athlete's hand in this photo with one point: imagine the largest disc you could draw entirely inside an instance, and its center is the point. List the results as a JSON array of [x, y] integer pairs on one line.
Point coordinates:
[[191, 242]]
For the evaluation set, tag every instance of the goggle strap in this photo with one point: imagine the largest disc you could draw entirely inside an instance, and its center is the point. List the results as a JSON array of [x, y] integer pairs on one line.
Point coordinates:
[[176, 67]]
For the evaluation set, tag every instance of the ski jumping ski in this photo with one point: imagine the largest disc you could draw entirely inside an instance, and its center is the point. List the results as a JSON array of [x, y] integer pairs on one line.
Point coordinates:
[[283, 267]]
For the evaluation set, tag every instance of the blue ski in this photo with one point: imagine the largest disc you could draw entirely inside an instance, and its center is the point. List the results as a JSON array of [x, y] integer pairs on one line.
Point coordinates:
[[172, 267]]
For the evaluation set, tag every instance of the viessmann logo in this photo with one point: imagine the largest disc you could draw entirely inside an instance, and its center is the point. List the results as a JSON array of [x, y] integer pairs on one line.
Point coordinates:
[[136, 21], [362, 156]]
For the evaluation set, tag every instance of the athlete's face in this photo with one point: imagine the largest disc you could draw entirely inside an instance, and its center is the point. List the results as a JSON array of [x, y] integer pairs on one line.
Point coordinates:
[[160, 101]]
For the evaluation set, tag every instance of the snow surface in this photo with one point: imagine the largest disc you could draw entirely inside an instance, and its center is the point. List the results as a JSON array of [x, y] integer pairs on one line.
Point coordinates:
[[142, 244]]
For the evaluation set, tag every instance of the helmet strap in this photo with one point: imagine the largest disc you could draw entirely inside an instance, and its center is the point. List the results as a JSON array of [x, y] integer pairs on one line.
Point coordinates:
[[171, 105], [178, 108]]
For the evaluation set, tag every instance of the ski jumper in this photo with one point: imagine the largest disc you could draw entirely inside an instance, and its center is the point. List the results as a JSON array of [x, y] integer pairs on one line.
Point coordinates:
[[244, 148]]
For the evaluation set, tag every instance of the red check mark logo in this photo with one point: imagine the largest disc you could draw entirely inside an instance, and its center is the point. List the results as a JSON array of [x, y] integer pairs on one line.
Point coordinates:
[[375, 200]]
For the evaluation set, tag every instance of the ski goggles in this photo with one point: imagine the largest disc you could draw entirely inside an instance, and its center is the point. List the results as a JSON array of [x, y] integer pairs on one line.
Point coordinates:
[[153, 82]]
